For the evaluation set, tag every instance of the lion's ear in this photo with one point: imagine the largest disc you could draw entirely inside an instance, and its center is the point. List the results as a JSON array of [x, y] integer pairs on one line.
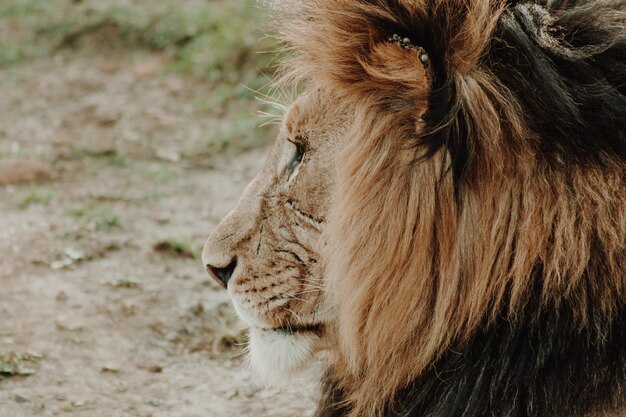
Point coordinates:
[[400, 72], [391, 63]]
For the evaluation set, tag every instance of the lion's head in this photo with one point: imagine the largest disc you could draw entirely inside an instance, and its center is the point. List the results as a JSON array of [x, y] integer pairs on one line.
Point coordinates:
[[266, 251], [444, 210]]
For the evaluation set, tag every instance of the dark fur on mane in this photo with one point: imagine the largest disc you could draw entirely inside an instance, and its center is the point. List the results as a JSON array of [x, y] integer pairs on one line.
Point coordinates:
[[537, 366], [573, 93], [548, 337]]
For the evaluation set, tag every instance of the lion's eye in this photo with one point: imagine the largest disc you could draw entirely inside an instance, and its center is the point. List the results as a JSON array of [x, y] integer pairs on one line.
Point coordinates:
[[298, 155]]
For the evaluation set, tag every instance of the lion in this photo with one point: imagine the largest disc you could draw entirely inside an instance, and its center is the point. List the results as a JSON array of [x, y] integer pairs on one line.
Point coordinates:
[[443, 213]]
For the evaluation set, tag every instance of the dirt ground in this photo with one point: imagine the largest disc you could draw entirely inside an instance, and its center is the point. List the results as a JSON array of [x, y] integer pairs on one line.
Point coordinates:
[[105, 309]]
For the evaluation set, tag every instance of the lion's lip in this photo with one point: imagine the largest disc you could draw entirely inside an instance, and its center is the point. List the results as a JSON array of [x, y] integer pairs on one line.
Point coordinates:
[[316, 328]]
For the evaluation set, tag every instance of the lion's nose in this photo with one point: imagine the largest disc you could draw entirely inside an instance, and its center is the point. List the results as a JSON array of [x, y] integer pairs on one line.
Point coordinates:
[[222, 274]]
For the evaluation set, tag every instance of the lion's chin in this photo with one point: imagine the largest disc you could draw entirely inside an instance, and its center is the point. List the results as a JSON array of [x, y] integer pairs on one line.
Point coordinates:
[[275, 354]]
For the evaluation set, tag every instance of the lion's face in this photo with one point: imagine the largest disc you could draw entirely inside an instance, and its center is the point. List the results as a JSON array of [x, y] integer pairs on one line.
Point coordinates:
[[265, 251]]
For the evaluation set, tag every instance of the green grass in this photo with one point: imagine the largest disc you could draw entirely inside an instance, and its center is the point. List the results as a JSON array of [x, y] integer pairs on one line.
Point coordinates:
[[219, 42], [116, 159], [214, 39], [112, 157], [181, 247], [20, 21], [36, 196], [98, 216]]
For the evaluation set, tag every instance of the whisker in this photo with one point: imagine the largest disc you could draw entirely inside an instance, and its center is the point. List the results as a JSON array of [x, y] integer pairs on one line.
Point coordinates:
[[312, 291], [294, 313]]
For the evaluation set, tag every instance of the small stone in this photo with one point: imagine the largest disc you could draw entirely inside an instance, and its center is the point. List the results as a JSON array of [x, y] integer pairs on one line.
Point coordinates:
[[231, 395], [156, 369], [60, 264], [74, 254], [170, 155]]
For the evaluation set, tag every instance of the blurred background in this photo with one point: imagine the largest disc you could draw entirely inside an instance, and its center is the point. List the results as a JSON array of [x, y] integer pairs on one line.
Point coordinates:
[[127, 130]]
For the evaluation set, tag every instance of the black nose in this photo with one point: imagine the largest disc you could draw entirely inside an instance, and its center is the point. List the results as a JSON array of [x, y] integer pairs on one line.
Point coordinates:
[[222, 275]]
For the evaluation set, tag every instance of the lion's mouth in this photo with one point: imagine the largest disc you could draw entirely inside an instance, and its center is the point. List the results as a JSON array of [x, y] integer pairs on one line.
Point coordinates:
[[317, 329]]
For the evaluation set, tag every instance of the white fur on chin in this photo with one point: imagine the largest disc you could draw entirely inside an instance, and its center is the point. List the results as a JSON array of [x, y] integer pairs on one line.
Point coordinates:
[[274, 354]]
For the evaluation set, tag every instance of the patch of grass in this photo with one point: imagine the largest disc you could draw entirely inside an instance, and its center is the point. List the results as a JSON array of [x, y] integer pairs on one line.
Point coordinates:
[[112, 157], [11, 53], [217, 41], [18, 364], [115, 158], [162, 173], [36, 196], [124, 282], [98, 216], [177, 247], [19, 24]]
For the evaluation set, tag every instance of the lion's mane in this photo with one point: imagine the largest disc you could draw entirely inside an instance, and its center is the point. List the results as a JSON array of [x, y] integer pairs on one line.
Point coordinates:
[[475, 248]]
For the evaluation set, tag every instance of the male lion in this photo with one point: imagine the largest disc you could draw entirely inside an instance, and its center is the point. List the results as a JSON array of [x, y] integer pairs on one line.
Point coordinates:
[[444, 210]]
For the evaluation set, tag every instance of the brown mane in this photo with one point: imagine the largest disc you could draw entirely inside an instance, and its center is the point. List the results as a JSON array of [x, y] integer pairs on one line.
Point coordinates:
[[442, 227]]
